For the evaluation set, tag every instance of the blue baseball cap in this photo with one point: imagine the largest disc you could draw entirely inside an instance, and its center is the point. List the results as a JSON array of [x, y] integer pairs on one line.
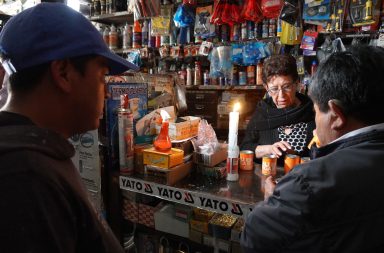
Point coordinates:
[[53, 31]]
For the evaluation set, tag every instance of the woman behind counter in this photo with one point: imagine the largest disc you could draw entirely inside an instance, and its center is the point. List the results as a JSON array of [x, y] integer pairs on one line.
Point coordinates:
[[284, 121]]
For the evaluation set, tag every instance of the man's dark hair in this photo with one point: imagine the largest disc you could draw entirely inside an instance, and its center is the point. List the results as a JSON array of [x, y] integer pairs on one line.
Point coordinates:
[[27, 79], [282, 65], [355, 80]]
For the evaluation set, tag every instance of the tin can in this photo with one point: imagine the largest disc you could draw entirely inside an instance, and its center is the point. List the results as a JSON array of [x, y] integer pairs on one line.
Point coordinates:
[[290, 161], [251, 75], [246, 160], [265, 28], [224, 33], [242, 78], [272, 28], [206, 78], [268, 166], [221, 81], [236, 32], [158, 41], [305, 159], [189, 81], [244, 32], [251, 30], [259, 73]]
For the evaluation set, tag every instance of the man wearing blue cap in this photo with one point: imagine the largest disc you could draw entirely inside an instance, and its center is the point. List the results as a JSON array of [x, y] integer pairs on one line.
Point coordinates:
[[56, 61]]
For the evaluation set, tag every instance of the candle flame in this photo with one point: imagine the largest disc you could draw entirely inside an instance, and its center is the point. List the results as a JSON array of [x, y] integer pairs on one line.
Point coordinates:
[[236, 107]]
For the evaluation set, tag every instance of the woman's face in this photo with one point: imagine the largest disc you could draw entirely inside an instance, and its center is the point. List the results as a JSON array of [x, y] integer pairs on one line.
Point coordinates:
[[282, 89]]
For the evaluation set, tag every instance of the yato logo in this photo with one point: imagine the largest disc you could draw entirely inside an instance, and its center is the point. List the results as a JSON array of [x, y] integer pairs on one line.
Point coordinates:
[[86, 140], [188, 198], [148, 188], [236, 209]]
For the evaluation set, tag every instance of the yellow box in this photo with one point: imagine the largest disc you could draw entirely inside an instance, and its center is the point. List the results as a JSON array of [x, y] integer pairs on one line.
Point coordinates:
[[163, 159], [201, 226], [185, 129]]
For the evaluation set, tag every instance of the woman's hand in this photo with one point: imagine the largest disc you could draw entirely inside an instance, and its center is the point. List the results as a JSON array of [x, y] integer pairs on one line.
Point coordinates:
[[276, 149]]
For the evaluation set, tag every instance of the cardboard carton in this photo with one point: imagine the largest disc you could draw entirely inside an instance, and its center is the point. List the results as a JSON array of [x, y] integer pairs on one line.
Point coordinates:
[[214, 159], [185, 129], [164, 160], [170, 176]]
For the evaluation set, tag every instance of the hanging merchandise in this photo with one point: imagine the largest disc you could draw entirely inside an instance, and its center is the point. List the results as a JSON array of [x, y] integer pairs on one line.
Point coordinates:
[[231, 12], [328, 47], [308, 42], [218, 10], [237, 53], [271, 8], [317, 10], [290, 35], [214, 71], [203, 27], [290, 11], [160, 26], [184, 16], [126, 139], [150, 7], [364, 12], [254, 51], [251, 11]]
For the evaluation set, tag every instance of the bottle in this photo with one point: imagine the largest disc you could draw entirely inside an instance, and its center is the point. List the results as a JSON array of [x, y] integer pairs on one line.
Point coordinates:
[[136, 34], [313, 68], [127, 36], [113, 38], [144, 34], [197, 76], [163, 142], [106, 35], [125, 133]]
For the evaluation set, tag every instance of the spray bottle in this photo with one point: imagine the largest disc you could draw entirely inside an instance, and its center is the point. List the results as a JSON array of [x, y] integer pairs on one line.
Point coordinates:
[[163, 142], [126, 139]]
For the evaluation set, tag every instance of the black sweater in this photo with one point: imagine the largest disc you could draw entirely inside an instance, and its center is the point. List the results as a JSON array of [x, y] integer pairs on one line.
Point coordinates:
[[264, 124], [44, 205]]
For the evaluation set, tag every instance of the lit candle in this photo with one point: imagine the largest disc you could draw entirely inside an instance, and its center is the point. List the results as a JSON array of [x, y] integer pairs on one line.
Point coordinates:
[[233, 149], [233, 126]]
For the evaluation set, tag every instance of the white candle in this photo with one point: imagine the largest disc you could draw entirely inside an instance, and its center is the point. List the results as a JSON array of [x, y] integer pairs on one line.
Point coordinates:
[[233, 126]]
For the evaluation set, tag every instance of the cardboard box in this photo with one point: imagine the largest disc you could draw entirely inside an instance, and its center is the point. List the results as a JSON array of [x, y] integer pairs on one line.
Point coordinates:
[[211, 160], [184, 130], [195, 236], [147, 214], [130, 210], [201, 226], [183, 212], [186, 146], [169, 176], [166, 222], [163, 159], [236, 248], [236, 230], [221, 225]]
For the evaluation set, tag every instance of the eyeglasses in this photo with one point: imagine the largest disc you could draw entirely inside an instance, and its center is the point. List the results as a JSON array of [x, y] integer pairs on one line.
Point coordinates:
[[284, 89]]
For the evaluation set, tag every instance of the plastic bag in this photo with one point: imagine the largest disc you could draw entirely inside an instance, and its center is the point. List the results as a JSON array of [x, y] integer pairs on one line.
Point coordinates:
[[206, 141], [184, 16], [290, 11], [217, 12], [271, 8], [231, 13], [251, 11]]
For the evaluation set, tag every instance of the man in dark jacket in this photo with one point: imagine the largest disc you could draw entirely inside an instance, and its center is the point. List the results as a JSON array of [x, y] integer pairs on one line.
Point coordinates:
[[333, 203], [56, 61]]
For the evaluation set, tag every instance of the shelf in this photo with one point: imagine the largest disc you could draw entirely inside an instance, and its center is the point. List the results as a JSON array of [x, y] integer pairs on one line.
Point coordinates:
[[234, 198], [218, 87], [116, 18]]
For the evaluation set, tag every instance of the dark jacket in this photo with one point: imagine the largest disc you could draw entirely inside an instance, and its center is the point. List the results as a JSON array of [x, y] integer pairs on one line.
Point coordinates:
[[43, 204], [331, 204], [262, 129]]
